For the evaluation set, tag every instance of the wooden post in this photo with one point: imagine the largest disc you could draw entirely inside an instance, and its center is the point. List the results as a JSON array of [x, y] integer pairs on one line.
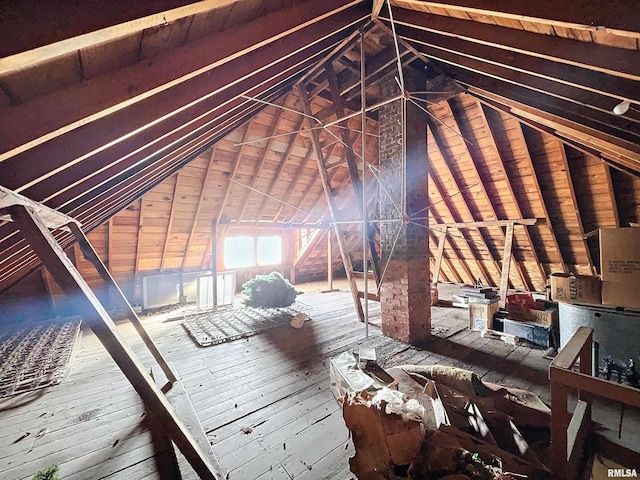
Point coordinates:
[[326, 187], [330, 262], [439, 255], [66, 275], [506, 264], [121, 301], [214, 261], [559, 423]]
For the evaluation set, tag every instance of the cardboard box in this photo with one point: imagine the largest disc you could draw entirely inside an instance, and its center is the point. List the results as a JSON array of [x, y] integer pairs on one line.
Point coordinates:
[[548, 316], [481, 315], [576, 288], [347, 377], [620, 264]]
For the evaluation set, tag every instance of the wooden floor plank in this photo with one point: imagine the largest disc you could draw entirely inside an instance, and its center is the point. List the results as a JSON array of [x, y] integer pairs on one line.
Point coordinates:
[[264, 401]]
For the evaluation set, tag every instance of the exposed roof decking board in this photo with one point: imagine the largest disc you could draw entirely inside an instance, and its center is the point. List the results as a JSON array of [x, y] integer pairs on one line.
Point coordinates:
[[525, 183], [553, 178]]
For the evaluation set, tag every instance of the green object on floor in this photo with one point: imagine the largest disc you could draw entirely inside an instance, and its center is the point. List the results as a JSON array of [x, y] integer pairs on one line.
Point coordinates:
[[269, 291], [50, 473]]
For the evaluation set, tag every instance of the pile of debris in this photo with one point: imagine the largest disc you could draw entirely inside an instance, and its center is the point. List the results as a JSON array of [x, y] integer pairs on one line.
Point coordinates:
[[438, 422]]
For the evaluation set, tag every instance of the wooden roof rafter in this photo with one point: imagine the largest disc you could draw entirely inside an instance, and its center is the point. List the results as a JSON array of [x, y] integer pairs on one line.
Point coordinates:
[[474, 152], [172, 212], [178, 72], [598, 57], [566, 122], [593, 88], [147, 160], [538, 193], [281, 165], [196, 215], [574, 200], [436, 185], [573, 14], [588, 148], [261, 160], [447, 169], [482, 182]]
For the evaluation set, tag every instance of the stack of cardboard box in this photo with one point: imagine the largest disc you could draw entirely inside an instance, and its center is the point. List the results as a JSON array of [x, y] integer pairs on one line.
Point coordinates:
[[620, 267]]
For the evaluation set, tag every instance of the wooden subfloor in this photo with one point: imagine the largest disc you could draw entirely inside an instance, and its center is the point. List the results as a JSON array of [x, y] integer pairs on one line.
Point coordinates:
[[264, 402]]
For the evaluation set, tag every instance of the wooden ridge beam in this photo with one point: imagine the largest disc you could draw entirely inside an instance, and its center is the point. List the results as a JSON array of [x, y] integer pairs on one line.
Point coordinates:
[[603, 58], [25, 127], [590, 16], [474, 162]]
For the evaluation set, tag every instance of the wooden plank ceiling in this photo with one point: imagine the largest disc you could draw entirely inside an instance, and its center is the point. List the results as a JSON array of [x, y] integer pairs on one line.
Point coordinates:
[[142, 123]]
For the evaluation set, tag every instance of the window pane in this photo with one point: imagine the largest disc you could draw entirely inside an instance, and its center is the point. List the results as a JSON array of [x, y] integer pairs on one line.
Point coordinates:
[[269, 250], [238, 252]]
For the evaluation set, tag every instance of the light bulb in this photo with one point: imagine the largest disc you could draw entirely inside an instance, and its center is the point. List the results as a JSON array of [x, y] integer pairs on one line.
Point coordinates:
[[622, 107]]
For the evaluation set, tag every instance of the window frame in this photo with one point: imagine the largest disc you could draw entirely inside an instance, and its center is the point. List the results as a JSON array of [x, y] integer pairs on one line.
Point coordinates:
[[254, 261]]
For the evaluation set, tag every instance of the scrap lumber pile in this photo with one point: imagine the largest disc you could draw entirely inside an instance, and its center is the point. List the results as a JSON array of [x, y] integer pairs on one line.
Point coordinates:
[[438, 422]]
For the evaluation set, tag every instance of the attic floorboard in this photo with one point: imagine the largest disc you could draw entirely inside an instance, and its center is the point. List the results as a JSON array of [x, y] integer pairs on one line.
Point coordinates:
[[264, 402]]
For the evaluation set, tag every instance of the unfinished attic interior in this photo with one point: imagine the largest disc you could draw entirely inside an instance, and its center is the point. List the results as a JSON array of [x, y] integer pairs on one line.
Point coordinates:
[[252, 239]]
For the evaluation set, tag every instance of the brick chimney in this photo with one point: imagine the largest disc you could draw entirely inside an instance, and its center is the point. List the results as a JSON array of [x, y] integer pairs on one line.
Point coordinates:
[[405, 292]]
